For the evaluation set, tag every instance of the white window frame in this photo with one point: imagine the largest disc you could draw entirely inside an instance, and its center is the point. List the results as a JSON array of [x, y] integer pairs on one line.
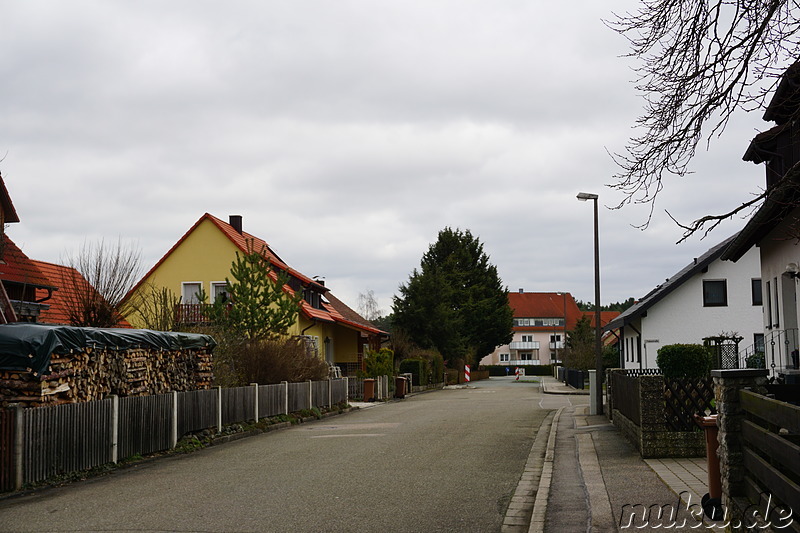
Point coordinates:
[[183, 291], [213, 294]]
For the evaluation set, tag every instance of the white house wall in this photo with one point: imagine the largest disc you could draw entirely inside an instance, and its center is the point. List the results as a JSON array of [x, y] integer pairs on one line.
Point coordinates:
[[680, 317], [778, 250]]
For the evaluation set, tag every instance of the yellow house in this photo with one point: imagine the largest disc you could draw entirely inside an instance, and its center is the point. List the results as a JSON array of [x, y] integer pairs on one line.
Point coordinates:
[[201, 260]]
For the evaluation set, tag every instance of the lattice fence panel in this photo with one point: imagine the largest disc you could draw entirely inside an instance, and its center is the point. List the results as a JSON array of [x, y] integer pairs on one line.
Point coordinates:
[[683, 399]]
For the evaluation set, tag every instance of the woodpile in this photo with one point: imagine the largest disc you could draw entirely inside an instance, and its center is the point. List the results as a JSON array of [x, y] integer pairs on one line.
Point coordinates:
[[94, 374]]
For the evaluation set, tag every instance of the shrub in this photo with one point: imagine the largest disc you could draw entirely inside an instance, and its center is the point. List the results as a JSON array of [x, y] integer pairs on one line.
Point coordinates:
[[756, 360], [691, 361], [273, 361], [418, 368], [380, 363]]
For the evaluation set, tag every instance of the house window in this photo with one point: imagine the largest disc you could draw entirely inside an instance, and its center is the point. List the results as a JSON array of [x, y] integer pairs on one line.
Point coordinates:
[[758, 342], [715, 293], [219, 291], [555, 338], [526, 356], [756, 290], [190, 292], [505, 357], [527, 338]]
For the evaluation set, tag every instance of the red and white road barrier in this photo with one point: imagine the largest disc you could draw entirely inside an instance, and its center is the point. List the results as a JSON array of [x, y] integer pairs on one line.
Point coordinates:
[[516, 371], [466, 372]]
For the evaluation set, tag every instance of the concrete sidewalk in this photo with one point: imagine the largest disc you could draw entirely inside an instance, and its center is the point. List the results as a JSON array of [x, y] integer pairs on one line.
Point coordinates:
[[610, 487]]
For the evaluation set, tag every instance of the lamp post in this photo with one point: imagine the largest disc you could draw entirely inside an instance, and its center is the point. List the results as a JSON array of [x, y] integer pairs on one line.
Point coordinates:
[[598, 351]]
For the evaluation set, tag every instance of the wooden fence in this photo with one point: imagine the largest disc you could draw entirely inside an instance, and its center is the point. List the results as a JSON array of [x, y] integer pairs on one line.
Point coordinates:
[[656, 414], [625, 389], [72, 437], [771, 456]]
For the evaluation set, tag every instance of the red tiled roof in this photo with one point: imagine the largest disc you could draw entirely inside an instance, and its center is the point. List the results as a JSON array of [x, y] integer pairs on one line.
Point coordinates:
[[9, 213], [544, 305], [68, 281], [16, 267], [605, 316], [345, 315], [244, 241]]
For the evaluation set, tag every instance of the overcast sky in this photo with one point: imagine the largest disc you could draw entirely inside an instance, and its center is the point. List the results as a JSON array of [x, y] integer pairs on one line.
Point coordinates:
[[347, 134]]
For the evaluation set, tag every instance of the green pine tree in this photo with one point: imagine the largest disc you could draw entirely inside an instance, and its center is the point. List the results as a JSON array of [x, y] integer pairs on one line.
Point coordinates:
[[456, 302], [255, 305]]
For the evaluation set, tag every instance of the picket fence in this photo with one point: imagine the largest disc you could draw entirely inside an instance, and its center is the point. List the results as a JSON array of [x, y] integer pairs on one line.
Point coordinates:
[[50, 441]]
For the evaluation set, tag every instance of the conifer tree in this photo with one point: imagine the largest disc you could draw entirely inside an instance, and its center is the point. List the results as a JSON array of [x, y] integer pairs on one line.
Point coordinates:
[[456, 303], [255, 305]]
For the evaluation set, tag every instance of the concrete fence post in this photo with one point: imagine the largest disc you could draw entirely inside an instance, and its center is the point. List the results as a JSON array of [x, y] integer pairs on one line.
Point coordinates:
[[285, 397], [594, 409], [255, 401], [114, 428], [219, 409], [330, 392], [310, 394], [346, 390], [174, 432], [18, 445]]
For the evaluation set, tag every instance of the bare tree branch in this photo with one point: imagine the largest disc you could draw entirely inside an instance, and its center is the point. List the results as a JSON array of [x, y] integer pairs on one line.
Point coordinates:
[[109, 272], [701, 60]]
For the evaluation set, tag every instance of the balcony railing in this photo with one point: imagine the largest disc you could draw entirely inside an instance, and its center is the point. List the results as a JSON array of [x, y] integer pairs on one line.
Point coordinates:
[[777, 353], [557, 345], [190, 313], [519, 345], [523, 362]]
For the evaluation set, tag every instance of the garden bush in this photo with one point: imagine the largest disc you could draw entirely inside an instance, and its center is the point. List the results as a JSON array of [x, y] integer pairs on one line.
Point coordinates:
[[418, 368], [691, 361]]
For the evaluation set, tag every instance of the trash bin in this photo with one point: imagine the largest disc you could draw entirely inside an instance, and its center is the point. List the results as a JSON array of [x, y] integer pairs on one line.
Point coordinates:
[[399, 387], [712, 501], [369, 390]]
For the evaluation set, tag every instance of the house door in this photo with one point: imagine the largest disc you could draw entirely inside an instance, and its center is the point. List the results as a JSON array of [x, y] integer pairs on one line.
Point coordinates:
[[789, 305]]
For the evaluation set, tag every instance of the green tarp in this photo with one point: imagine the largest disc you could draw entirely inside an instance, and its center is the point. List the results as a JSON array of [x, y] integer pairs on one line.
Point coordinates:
[[26, 346]]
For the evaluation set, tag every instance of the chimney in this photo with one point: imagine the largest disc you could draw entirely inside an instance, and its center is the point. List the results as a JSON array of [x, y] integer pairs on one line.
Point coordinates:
[[236, 222], [521, 291]]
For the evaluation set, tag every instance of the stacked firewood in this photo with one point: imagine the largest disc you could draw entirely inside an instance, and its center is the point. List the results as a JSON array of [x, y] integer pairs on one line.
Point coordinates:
[[94, 374]]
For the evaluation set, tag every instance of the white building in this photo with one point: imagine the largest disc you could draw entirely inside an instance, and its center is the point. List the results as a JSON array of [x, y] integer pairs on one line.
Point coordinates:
[[705, 299], [774, 230]]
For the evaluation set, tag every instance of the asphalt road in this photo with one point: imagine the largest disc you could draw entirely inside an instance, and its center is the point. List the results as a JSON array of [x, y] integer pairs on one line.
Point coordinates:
[[440, 461]]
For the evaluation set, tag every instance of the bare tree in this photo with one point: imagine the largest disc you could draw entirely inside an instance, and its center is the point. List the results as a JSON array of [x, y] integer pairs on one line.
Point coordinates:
[[154, 307], [700, 60], [109, 272], [368, 305]]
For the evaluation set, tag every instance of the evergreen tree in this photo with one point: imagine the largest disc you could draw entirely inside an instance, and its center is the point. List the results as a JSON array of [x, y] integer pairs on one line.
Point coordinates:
[[255, 305], [580, 345], [455, 302]]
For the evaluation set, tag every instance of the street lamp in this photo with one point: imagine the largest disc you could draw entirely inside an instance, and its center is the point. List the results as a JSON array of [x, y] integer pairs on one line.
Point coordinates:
[[598, 352]]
